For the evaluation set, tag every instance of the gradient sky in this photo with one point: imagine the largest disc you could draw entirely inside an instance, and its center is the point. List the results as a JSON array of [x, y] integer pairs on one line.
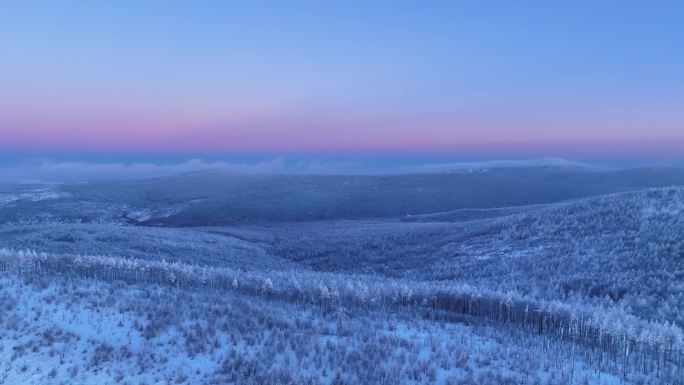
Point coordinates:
[[525, 77]]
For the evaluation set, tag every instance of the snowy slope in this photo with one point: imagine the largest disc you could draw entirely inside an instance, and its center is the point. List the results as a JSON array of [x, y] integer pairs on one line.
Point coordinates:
[[325, 280]]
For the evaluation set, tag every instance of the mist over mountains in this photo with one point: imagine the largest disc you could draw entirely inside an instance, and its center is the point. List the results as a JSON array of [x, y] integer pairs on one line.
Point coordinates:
[[61, 168]]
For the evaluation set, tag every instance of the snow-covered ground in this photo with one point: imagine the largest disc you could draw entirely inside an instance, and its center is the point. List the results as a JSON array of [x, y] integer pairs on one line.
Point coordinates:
[[107, 291], [36, 195], [58, 331]]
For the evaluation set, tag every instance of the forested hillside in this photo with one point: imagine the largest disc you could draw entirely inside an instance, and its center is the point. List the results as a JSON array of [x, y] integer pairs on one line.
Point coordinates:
[[626, 249], [621, 345], [212, 198], [577, 291]]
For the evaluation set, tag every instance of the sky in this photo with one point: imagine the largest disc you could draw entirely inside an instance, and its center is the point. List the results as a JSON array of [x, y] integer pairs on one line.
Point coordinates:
[[488, 79]]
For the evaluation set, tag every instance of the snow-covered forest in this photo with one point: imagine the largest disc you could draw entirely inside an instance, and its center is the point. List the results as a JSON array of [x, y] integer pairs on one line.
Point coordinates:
[[114, 283]]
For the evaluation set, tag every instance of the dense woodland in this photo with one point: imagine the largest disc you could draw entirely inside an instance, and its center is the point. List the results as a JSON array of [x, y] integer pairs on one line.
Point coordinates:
[[628, 343], [585, 291]]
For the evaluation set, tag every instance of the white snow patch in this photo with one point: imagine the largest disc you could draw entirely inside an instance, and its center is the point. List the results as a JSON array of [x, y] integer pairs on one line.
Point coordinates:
[[7, 199]]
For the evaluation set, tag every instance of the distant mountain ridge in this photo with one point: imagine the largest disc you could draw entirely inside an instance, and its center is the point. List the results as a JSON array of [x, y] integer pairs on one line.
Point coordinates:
[[211, 198]]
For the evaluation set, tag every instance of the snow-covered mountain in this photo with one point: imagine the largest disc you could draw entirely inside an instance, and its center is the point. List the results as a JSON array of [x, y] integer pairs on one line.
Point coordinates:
[[577, 283]]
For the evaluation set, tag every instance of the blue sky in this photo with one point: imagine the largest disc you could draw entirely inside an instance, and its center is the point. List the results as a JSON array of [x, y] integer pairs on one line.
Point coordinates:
[[581, 78]]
